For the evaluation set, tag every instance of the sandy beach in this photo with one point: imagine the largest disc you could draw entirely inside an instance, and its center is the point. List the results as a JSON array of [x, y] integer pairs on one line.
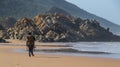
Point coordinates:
[[8, 58]]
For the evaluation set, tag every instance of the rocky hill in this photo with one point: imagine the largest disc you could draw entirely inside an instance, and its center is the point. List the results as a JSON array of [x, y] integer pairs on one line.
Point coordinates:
[[30, 8], [61, 28]]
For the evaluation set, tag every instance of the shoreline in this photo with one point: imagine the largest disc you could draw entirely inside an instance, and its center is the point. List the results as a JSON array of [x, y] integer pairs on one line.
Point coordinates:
[[9, 58], [66, 53], [15, 59], [62, 49]]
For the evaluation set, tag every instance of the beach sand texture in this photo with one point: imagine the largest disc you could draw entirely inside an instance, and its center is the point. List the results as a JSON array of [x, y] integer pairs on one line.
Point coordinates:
[[8, 58]]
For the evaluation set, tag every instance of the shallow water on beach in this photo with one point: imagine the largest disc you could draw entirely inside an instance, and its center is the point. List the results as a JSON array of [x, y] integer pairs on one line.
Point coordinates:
[[113, 48], [109, 49]]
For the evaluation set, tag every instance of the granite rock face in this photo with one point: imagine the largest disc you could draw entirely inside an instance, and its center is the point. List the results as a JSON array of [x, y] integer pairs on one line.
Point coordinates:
[[61, 28], [21, 28]]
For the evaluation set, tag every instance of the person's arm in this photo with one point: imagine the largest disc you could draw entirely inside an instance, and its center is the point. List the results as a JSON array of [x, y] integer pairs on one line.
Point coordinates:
[[27, 41]]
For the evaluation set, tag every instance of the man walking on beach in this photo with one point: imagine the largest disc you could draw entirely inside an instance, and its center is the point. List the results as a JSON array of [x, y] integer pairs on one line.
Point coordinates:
[[30, 43]]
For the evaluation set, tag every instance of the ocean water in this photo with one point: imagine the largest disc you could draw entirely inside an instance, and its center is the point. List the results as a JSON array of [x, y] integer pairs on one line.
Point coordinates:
[[108, 49], [113, 48]]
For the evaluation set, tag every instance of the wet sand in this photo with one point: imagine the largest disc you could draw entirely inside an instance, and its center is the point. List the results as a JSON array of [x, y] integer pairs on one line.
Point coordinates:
[[8, 58]]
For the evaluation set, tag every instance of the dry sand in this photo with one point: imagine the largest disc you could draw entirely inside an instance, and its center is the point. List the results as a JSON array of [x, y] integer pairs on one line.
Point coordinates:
[[8, 58]]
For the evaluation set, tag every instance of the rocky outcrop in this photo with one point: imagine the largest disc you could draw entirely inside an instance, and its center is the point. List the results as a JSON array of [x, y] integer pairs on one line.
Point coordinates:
[[30, 8], [5, 24], [57, 25], [2, 33], [93, 31], [21, 28], [61, 28]]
